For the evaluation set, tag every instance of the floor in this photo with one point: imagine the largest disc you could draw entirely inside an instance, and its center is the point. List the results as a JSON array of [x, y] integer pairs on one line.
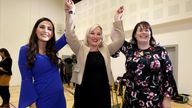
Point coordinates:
[[69, 97], [15, 90]]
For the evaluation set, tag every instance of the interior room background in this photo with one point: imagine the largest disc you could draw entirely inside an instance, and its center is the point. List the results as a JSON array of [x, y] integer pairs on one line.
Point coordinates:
[[171, 21]]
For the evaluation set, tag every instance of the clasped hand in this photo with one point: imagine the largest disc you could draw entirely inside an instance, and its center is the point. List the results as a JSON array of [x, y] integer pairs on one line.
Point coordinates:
[[69, 5]]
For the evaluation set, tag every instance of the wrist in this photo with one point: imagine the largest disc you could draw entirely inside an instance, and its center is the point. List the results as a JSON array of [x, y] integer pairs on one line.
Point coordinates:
[[117, 18], [71, 12], [167, 98]]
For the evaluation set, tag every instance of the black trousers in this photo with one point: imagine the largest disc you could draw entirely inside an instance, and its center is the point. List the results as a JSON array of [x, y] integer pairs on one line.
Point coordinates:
[[5, 94]]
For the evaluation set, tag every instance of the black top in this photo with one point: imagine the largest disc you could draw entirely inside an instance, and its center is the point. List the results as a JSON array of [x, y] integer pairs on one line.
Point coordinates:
[[6, 65], [95, 88], [95, 70]]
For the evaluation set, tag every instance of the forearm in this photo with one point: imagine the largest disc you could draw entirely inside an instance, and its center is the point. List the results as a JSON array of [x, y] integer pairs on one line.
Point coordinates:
[[118, 37], [69, 23], [72, 39]]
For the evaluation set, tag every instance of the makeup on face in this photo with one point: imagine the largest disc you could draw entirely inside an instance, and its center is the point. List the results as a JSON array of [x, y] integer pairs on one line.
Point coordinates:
[[95, 37], [44, 31]]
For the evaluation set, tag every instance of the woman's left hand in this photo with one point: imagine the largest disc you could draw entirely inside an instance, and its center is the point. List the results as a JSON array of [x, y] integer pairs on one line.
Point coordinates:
[[119, 14], [166, 102]]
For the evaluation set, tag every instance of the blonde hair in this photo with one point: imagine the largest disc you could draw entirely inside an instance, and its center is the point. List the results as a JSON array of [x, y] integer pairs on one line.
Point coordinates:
[[89, 30]]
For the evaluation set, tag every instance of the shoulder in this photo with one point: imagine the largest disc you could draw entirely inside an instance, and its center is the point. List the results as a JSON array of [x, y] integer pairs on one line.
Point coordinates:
[[159, 48], [8, 59], [129, 45], [24, 49]]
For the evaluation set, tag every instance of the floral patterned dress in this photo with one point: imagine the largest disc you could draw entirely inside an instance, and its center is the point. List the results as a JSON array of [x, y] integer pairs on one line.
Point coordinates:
[[148, 76]]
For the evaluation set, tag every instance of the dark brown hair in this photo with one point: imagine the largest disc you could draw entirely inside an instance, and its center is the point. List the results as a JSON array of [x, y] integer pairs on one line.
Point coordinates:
[[5, 52], [34, 48], [144, 24]]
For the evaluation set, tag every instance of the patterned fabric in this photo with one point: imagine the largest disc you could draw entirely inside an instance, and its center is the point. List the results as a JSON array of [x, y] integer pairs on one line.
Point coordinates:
[[148, 76]]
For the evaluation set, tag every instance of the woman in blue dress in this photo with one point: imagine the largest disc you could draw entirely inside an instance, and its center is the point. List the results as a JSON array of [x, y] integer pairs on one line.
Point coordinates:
[[41, 85]]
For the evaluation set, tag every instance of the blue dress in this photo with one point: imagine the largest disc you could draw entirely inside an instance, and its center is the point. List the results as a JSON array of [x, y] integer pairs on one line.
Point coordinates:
[[41, 84]]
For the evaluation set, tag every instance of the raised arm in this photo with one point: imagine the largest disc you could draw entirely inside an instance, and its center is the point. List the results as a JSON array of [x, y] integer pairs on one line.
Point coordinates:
[[117, 34], [72, 39]]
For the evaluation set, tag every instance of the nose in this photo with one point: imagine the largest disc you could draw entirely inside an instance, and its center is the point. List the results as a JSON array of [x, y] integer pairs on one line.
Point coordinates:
[[46, 30], [95, 36], [143, 31]]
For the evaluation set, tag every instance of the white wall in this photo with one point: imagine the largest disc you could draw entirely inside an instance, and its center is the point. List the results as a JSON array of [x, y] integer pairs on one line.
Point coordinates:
[[171, 20], [179, 33]]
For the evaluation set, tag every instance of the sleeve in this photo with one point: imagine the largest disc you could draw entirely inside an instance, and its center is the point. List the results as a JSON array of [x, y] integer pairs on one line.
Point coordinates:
[[28, 94], [61, 42], [169, 84], [7, 64], [71, 36], [117, 36], [124, 49]]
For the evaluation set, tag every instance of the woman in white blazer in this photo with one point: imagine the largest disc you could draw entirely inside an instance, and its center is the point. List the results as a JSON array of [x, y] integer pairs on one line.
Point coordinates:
[[92, 73]]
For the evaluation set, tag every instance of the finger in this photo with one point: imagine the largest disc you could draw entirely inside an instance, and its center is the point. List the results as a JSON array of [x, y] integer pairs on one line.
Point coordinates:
[[120, 10], [121, 7], [68, 4], [69, 1], [72, 2]]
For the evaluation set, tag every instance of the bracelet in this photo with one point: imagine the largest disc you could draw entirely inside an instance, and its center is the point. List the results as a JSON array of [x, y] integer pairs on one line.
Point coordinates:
[[71, 12]]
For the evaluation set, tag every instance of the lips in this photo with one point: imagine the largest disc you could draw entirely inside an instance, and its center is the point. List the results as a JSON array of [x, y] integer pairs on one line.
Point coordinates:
[[95, 40], [143, 36], [45, 35]]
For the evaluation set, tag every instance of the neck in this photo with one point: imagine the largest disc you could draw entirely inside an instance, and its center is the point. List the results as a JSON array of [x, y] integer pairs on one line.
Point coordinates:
[[143, 46], [92, 49], [42, 48]]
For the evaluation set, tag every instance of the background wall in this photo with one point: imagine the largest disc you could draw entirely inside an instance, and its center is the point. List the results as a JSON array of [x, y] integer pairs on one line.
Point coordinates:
[[171, 21]]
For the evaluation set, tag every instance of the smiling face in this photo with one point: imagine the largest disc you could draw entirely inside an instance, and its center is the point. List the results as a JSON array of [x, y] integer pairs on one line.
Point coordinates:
[[44, 31], [94, 37], [143, 34]]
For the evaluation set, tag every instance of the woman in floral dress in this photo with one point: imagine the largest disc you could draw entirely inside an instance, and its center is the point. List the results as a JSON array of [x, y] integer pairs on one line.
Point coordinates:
[[149, 73]]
